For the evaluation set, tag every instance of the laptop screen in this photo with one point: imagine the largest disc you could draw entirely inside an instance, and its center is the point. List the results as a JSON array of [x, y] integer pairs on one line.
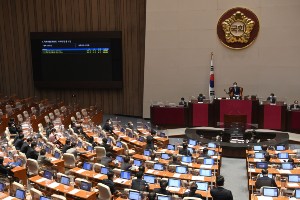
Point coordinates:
[[134, 195], [137, 162], [162, 134], [48, 174], [120, 159], [192, 142], [203, 186], [259, 155], [90, 148], [85, 186], [287, 166], [297, 193], [119, 144], [164, 197], [104, 170], [171, 147], [283, 155], [186, 159], [165, 156], [280, 148], [211, 152], [181, 169], [20, 194], [125, 175], [294, 178], [262, 165], [2, 187], [65, 180], [147, 152], [158, 166], [44, 198], [174, 182], [257, 148], [205, 172], [87, 166], [79, 144], [48, 149], [57, 155], [191, 150], [208, 161], [149, 178], [211, 145], [141, 139], [270, 191]]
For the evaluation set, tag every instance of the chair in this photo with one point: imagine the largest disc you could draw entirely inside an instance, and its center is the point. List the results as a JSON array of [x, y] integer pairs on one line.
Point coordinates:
[[84, 113], [59, 175], [127, 150], [57, 113], [100, 152], [117, 172], [70, 160], [32, 167], [33, 111], [8, 110], [57, 197], [113, 140], [35, 194], [63, 109], [16, 186], [41, 128], [19, 105], [73, 119], [97, 167], [79, 180], [104, 192], [41, 108]]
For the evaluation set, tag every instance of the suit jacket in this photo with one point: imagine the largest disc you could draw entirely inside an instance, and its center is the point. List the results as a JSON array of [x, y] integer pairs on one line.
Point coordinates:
[[65, 148], [31, 153], [272, 99], [265, 181], [161, 191], [125, 166], [185, 152], [221, 193], [235, 91], [150, 142], [105, 161], [18, 144], [292, 106], [139, 184], [200, 99]]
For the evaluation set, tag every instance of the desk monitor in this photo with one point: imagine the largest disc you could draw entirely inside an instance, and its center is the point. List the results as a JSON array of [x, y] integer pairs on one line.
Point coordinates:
[[162, 134], [191, 150], [280, 148], [20, 194], [2, 186], [192, 142], [104, 170], [262, 165], [119, 144], [270, 191], [149, 178], [141, 139], [130, 134], [203, 186], [120, 159], [171, 147], [205, 172], [283, 155], [125, 175], [259, 155], [174, 182], [211, 152], [134, 195], [122, 130], [137, 162], [257, 148], [287, 166], [186, 159], [85, 186], [211, 145], [294, 178], [48, 149], [158, 166], [65, 180], [208, 161], [108, 141], [45, 198], [147, 152], [297, 193], [57, 155], [181, 169], [90, 148], [87, 166], [48, 175], [79, 144], [165, 156], [164, 197]]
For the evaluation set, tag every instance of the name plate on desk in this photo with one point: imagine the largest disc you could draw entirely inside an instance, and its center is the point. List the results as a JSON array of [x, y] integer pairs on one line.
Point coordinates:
[[197, 178], [53, 185], [74, 191]]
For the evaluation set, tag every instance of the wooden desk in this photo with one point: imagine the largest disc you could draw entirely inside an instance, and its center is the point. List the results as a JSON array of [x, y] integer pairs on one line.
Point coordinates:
[[278, 183], [275, 171], [89, 174], [254, 197], [69, 191], [132, 141], [5, 195], [20, 172], [274, 161], [163, 141], [59, 163]]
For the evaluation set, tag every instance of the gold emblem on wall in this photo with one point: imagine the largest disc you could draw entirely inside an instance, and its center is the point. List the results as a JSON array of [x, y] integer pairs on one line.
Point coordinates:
[[238, 28]]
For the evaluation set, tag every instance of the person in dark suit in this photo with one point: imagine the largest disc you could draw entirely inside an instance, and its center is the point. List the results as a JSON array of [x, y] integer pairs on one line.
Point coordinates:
[[108, 147], [295, 106], [26, 145], [175, 161], [265, 180], [110, 182], [107, 159], [272, 98], [66, 146], [235, 92], [4, 170], [220, 193], [126, 165], [201, 97], [138, 183], [204, 153], [108, 126], [31, 152], [19, 142], [163, 188], [150, 140], [184, 150], [192, 192], [182, 102]]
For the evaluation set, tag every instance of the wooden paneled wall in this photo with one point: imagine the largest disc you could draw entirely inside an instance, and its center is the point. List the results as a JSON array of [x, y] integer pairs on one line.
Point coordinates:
[[20, 17]]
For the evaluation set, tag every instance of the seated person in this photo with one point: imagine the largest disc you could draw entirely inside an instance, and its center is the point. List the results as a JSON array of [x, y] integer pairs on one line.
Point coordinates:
[[19, 142], [192, 192], [138, 183], [126, 165], [32, 153], [201, 97], [73, 150], [184, 150], [267, 158], [204, 153], [182, 102], [163, 188], [66, 146], [26, 145], [108, 147], [4, 170], [43, 160], [142, 168], [130, 125], [265, 180], [152, 196], [220, 193], [107, 159], [235, 92], [175, 161], [108, 126], [52, 137], [272, 98], [295, 106], [12, 126], [110, 182], [16, 162]]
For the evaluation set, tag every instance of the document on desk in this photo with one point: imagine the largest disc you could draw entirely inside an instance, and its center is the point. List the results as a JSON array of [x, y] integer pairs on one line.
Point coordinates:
[[257, 160], [120, 180], [98, 175], [206, 166], [176, 175], [53, 185], [251, 170], [133, 140], [74, 191], [292, 184], [150, 171], [8, 198], [155, 137], [176, 189], [284, 171], [264, 198], [41, 180], [197, 178], [80, 171]]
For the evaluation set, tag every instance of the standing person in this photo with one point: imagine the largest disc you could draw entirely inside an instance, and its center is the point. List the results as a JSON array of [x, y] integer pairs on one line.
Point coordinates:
[[220, 193], [272, 98], [150, 140]]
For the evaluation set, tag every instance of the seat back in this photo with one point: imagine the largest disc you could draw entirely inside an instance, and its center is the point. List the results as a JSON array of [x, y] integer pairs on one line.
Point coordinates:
[[35, 194], [16, 186], [104, 192], [57, 197], [69, 160], [57, 113], [51, 116], [97, 167], [84, 112], [47, 119], [32, 167], [100, 152], [78, 115]]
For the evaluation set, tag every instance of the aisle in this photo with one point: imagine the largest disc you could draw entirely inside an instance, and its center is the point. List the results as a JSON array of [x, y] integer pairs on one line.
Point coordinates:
[[234, 172]]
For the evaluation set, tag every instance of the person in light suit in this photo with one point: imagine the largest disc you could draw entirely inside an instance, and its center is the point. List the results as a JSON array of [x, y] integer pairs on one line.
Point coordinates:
[[220, 193]]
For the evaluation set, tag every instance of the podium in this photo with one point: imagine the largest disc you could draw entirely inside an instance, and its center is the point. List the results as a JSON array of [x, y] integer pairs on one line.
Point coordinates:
[[272, 116], [201, 114], [169, 116], [293, 121]]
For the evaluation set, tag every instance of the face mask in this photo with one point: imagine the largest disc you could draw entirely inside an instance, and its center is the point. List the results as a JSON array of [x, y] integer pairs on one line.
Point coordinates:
[[109, 123], [234, 85]]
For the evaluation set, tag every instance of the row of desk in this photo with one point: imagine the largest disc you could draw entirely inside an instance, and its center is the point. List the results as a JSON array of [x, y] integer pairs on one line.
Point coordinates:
[[267, 116]]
